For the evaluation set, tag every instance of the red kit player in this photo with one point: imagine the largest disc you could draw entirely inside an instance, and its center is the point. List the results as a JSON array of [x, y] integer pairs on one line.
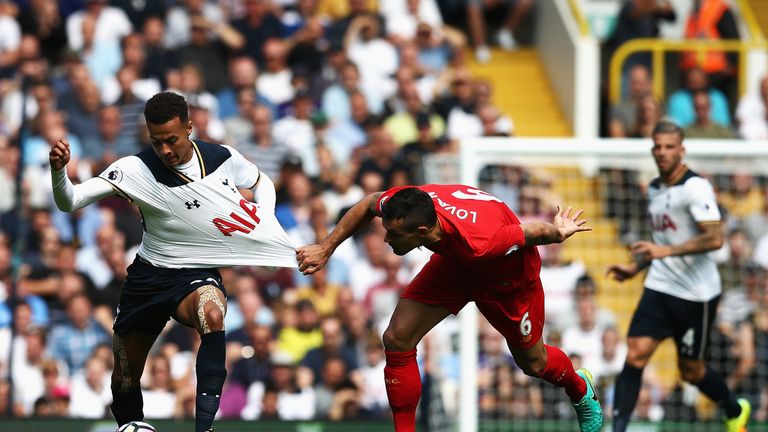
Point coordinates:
[[482, 253]]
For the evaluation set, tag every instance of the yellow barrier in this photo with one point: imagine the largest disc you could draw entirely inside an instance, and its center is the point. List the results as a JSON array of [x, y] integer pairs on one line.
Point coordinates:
[[749, 19], [580, 20], [659, 47]]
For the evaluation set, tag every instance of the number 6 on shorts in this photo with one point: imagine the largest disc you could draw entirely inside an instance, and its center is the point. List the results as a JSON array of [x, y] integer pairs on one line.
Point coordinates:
[[525, 325]]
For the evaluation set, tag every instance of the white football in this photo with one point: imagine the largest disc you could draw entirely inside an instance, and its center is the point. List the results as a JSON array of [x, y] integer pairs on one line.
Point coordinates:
[[136, 426]]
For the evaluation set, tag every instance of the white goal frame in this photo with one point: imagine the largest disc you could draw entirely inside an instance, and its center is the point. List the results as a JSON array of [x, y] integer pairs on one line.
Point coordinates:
[[589, 155]]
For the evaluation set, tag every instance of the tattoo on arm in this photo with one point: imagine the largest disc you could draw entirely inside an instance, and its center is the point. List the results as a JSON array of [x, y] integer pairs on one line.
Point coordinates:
[[710, 238]]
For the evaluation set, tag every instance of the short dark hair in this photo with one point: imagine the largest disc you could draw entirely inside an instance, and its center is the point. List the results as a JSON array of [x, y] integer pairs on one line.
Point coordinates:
[[667, 126], [411, 205], [164, 107], [585, 285]]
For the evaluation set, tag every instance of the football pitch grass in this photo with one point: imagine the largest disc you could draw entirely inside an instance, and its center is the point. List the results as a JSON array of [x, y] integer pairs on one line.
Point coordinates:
[[72, 425]]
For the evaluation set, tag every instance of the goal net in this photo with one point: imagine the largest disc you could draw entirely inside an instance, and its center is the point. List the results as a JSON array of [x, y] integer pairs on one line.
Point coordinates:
[[588, 313]]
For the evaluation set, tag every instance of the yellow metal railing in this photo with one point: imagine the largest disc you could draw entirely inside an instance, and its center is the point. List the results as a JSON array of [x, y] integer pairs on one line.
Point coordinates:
[[580, 20], [659, 47], [749, 19]]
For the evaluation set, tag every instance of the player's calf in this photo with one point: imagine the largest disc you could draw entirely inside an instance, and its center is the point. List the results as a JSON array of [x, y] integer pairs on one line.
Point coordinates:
[[127, 402], [692, 371], [211, 356]]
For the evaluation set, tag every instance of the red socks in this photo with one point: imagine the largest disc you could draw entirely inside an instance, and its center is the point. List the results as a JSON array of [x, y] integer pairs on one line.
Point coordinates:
[[401, 376], [559, 371]]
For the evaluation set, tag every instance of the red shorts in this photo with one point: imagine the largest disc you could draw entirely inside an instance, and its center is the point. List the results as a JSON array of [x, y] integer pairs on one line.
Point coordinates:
[[517, 312]]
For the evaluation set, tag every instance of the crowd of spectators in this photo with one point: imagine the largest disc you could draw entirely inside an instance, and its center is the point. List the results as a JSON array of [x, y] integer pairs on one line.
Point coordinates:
[[706, 103], [332, 99]]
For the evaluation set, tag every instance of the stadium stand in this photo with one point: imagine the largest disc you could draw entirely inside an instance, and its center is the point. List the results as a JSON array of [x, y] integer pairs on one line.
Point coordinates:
[[335, 99]]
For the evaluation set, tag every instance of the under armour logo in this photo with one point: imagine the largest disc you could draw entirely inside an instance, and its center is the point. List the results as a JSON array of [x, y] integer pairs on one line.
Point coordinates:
[[194, 203], [225, 182]]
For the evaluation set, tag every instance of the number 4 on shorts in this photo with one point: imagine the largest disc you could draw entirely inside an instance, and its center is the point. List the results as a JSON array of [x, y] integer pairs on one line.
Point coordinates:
[[688, 338]]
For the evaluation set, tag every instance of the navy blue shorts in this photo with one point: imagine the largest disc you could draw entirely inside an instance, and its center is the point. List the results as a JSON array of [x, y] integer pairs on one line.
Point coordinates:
[[661, 315], [151, 294]]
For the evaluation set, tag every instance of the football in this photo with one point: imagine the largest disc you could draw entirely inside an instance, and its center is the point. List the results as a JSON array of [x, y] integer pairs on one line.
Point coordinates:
[[136, 426]]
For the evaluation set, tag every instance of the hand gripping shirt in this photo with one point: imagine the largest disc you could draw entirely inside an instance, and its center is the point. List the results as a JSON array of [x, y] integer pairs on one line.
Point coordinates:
[[480, 233], [676, 210], [202, 222]]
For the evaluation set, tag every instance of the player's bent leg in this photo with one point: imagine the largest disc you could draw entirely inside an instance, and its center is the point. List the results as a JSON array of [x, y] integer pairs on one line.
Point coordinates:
[[628, 383], [409, 323], [714, 387], [130, 352], [204, 310], [552, 365]]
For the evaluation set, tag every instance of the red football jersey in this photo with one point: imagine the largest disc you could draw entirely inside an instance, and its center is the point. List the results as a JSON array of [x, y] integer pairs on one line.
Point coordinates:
[[480, 233]]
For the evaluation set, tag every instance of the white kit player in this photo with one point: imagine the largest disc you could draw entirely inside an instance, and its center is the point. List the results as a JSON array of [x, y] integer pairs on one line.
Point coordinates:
[[682, 288], [195, 220]]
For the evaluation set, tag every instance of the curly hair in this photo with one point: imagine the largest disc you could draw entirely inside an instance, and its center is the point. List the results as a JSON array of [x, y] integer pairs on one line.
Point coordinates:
[[164, 107], [411, 205]]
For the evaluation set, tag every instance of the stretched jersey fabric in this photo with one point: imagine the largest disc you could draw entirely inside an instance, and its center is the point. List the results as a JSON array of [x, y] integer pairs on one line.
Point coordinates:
[[676, 210], [480, 234], [203, 222]]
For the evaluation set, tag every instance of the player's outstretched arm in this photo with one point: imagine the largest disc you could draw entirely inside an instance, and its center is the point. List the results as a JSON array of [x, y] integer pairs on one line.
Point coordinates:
[[67, 196], [562, 226], [312, 258]]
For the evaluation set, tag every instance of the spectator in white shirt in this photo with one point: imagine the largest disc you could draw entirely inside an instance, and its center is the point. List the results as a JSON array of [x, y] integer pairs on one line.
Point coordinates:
[[374, 397], [28, 383], [752, 113], [91, 394], [295, 395], [179, 20], [375, 56], [112, 24], [274, 83], [10, 40], [295, 131], [159, 398]]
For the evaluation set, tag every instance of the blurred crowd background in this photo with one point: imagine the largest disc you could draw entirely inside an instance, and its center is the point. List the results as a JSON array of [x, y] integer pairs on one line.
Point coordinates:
[[333, 99]]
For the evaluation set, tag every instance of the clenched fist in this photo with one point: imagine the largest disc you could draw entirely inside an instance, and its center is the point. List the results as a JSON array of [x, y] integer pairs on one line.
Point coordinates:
[[59, 154]]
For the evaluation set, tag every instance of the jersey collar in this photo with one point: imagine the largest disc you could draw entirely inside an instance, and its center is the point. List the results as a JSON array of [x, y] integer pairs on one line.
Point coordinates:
[[200, 163]]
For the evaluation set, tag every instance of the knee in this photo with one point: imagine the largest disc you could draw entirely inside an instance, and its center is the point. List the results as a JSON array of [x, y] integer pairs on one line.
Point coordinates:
[[533, 368], [692, 372], [210, 309], [214, 318], [637, 358], [396, 340]]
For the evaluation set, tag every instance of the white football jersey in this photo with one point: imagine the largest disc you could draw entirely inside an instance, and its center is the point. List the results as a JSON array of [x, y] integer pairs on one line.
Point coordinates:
[[202, 222], [676, 210]]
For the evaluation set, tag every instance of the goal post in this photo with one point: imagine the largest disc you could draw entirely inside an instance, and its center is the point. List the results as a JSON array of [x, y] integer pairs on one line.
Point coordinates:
[[576, 170]]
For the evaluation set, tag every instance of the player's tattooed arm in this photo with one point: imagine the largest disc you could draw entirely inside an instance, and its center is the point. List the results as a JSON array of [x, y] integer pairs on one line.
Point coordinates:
[[710, 238], [353, 220], [312, 258], [562, 226]]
